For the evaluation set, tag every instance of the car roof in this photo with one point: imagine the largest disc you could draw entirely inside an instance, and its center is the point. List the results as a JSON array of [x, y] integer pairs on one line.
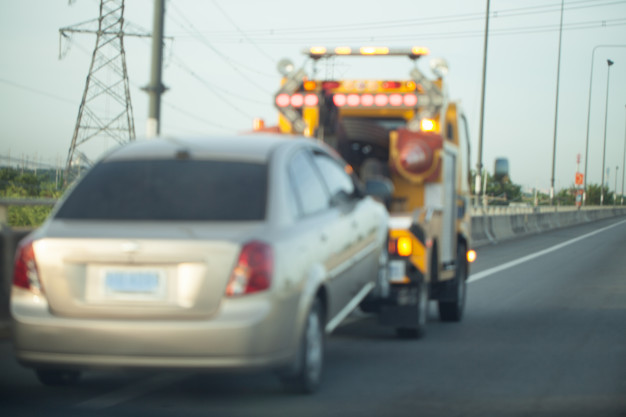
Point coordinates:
[[250, 147]]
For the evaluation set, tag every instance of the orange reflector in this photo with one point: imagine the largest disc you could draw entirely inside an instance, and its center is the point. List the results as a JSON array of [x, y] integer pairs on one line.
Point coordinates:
[[405, 246], [258, 124], [471, 255]]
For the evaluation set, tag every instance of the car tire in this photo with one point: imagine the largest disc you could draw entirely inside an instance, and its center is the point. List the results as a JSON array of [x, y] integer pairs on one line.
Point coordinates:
[[57, 377], [421, 309], [452, 309], [306, 377]]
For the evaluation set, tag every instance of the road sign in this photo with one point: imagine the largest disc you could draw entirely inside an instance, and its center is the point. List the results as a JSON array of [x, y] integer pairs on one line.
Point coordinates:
[[579, 178]]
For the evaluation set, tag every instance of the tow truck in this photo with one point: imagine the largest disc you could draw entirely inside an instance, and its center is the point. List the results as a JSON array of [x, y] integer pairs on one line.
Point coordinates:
[[409, 133]]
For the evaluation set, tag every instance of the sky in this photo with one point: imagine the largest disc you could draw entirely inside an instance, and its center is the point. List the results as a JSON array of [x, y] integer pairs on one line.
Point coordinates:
[[221, 56]]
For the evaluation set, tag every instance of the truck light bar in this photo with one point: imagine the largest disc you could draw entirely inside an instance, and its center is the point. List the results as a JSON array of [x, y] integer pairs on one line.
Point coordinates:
[[317, 52], [376, 100]]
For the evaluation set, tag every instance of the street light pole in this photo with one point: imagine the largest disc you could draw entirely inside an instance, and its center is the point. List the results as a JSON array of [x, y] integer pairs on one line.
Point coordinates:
[[606, 112], [623, 161], [593, 53], [615, 193], [479, 164], [556, 109]]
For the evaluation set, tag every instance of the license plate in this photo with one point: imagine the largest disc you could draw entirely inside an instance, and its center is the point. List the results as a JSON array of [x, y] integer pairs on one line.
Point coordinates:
[[135, 285], [396, 271]]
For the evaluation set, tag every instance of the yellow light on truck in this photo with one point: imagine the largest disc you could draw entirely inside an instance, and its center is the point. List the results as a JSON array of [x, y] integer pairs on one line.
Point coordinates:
[[427, 125], [374, 50], [420, 50], [343, 50], [317, 50], [404, 246], [410, 85], [310, 85], [471, 255]]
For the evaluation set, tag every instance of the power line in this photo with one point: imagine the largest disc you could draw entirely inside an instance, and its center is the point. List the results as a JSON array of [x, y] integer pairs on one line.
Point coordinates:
[[457, 34], [232, 63], [425, 21], [37, 91], [250, 40]]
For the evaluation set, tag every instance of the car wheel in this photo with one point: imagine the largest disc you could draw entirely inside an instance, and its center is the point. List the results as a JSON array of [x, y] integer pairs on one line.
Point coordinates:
[[308, 373], [452, 310], [57, 377], [421, 310], [371, 303]]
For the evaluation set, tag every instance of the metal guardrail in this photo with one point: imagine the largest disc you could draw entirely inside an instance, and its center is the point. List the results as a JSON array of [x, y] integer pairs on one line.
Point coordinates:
[[6, 202]]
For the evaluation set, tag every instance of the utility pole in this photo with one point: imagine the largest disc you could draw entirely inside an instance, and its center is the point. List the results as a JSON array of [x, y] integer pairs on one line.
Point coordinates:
[[106, 87], [156, 87], [556, 110], [479, 164]]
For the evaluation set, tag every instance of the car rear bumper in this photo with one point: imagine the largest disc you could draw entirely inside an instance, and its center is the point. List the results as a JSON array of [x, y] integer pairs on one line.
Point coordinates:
[[252, 334]]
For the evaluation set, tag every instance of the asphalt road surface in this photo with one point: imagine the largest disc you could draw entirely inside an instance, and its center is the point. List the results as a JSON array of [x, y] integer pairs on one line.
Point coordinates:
[[544, 335]]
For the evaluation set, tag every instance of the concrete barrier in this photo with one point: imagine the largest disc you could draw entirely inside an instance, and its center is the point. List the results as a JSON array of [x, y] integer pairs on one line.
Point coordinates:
[[494, 225]]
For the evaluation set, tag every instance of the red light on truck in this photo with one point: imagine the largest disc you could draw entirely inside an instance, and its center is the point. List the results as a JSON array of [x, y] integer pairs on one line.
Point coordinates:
[[381, 100], [395, 100], [330, 85], [410, 100], [339, 100], [391, 84], [353, 100], [311, 100], [283, 100], [297, 100], [367, 100]]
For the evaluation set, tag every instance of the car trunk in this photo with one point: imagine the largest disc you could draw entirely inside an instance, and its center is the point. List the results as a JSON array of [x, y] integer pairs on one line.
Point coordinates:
[[135, 271]]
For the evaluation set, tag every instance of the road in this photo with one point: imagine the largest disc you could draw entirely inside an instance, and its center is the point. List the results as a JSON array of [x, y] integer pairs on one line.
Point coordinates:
[[544, 335]]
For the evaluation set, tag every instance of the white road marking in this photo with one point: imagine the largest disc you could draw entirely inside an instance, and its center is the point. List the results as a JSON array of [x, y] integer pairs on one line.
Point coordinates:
[[484, 274], [132, 391]]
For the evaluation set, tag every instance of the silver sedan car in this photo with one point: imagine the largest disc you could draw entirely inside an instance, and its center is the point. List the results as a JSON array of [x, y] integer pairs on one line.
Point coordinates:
[[216, 253]]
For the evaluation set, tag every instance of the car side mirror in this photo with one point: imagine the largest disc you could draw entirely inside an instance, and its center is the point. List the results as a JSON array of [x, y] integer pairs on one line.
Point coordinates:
[[379, 188]]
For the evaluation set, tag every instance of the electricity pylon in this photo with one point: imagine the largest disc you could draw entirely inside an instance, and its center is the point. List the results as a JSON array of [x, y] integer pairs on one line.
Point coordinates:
[[105, 110]]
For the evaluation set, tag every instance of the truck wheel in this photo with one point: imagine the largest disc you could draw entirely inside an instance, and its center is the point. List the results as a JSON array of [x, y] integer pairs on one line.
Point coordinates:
[[371, 303], [57, 377], [306, 377], [421, 310], [452, 310]]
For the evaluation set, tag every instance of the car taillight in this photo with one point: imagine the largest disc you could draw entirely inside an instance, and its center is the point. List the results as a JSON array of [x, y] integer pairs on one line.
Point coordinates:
[[25, 273], [253, 271]]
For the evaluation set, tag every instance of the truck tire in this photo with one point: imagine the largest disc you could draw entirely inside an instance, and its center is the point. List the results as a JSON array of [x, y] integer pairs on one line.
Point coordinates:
[[452, 309], [306, 377], [421, 312]]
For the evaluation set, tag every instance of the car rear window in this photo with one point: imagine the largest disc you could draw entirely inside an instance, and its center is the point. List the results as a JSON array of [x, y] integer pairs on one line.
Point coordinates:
[[185, 190]]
